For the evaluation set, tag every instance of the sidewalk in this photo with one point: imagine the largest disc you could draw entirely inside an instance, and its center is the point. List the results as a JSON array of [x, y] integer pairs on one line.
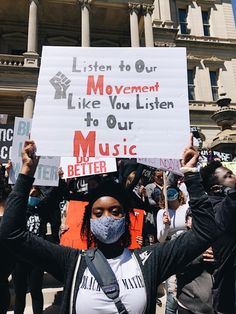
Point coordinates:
[[52, 290]]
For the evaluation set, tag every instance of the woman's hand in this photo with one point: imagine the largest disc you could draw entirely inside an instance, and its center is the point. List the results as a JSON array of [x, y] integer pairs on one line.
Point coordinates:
[[29, 158], [8, 168], [208, 255], [60, 172], [190, 156]]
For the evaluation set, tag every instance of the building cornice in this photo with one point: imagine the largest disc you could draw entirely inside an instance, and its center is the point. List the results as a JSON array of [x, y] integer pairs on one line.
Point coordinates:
[[193, 60], [206, 106], [203, 105], [214, 62], [206, 2], [206, 40]]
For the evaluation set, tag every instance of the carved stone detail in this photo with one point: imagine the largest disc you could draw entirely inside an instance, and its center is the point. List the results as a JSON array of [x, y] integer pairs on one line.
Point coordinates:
[[134, 7], [35, 1], [147, 9], [85, 3]]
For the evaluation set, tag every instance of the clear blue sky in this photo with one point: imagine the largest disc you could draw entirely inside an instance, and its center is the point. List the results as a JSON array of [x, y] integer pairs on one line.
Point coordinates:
[[234, 8]]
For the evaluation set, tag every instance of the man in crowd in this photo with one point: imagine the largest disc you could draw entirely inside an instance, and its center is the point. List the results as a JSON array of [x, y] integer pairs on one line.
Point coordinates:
[[220, 184], [6, 261]]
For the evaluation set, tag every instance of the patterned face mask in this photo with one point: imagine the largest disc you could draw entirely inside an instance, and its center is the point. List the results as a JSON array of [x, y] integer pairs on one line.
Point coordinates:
[[107, 229]]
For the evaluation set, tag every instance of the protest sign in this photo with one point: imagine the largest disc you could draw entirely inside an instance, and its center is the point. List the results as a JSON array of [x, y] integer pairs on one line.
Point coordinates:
[[6, 137], [84, 166], [211, 154], [112, 102], [46, 173], [172, 165], [74, 219], [197, 137]]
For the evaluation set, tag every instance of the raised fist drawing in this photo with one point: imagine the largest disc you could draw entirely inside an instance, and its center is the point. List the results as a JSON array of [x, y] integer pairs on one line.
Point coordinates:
[[61, 83]]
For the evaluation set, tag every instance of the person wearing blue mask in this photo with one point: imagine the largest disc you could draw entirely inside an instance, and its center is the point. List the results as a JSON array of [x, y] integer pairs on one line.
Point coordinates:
[[170, 223], [106, 227]]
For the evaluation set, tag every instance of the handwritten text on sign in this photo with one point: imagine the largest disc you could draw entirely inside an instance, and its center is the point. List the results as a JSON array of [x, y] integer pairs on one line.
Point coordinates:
[[84, 166], [172, 165], [47, 169], [112, 102]]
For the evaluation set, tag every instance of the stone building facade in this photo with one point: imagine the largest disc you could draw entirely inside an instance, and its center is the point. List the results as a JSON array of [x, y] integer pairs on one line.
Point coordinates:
[[205, 27]]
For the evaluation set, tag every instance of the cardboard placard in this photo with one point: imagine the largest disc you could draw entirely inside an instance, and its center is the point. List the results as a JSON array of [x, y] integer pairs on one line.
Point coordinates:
[[112, 102]]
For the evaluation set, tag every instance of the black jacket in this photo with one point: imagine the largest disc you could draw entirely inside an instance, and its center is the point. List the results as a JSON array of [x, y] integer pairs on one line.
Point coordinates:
[[157, 262], [194, 286], [224, 289], [7, 262]]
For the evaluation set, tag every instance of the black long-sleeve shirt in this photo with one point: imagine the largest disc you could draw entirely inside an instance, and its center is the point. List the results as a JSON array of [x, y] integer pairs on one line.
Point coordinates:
[[157, 262], [224, 248]]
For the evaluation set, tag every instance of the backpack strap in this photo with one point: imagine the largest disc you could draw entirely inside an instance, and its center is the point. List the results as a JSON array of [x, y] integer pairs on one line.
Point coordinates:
[[102, 272]]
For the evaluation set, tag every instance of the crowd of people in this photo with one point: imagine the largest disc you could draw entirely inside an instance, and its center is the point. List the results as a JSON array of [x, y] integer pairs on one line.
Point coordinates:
[[188, 239]]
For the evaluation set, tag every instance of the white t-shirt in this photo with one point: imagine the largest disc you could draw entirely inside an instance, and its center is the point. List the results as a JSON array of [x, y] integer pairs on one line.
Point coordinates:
[[92, 300], [177, 222]]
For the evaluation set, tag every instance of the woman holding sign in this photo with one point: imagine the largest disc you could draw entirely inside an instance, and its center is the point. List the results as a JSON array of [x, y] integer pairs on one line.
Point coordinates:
[[110, 279]]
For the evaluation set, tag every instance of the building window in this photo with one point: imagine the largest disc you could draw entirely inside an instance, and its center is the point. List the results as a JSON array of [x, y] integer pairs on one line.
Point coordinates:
[[206, 24], [17, 52], [191, 86], [214, 85], [183, 24]]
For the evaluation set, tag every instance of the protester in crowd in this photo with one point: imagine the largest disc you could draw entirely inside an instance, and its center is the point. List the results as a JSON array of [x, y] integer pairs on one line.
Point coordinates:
[[92, 183], [27, 276], [53, 196], [7, 259], [194, 283], [171, 222], [152, 193], [220, 184], [106, 224], [132, 182], [173, 179], [138, 199], [154, 188], [129, 173], [41, 209]]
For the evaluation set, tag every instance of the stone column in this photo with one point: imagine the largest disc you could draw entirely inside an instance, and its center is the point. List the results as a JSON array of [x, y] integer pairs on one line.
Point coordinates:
[[134, 9], [166, 13], [85, 27], [33, 26], [157, 22], [28, 105], [148, 30], [31, 56]]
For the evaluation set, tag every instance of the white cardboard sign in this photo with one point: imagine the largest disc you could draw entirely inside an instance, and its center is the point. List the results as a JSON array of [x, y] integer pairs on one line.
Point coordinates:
[[46, 173], [85, 166], [172, 165], [112, 102]]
